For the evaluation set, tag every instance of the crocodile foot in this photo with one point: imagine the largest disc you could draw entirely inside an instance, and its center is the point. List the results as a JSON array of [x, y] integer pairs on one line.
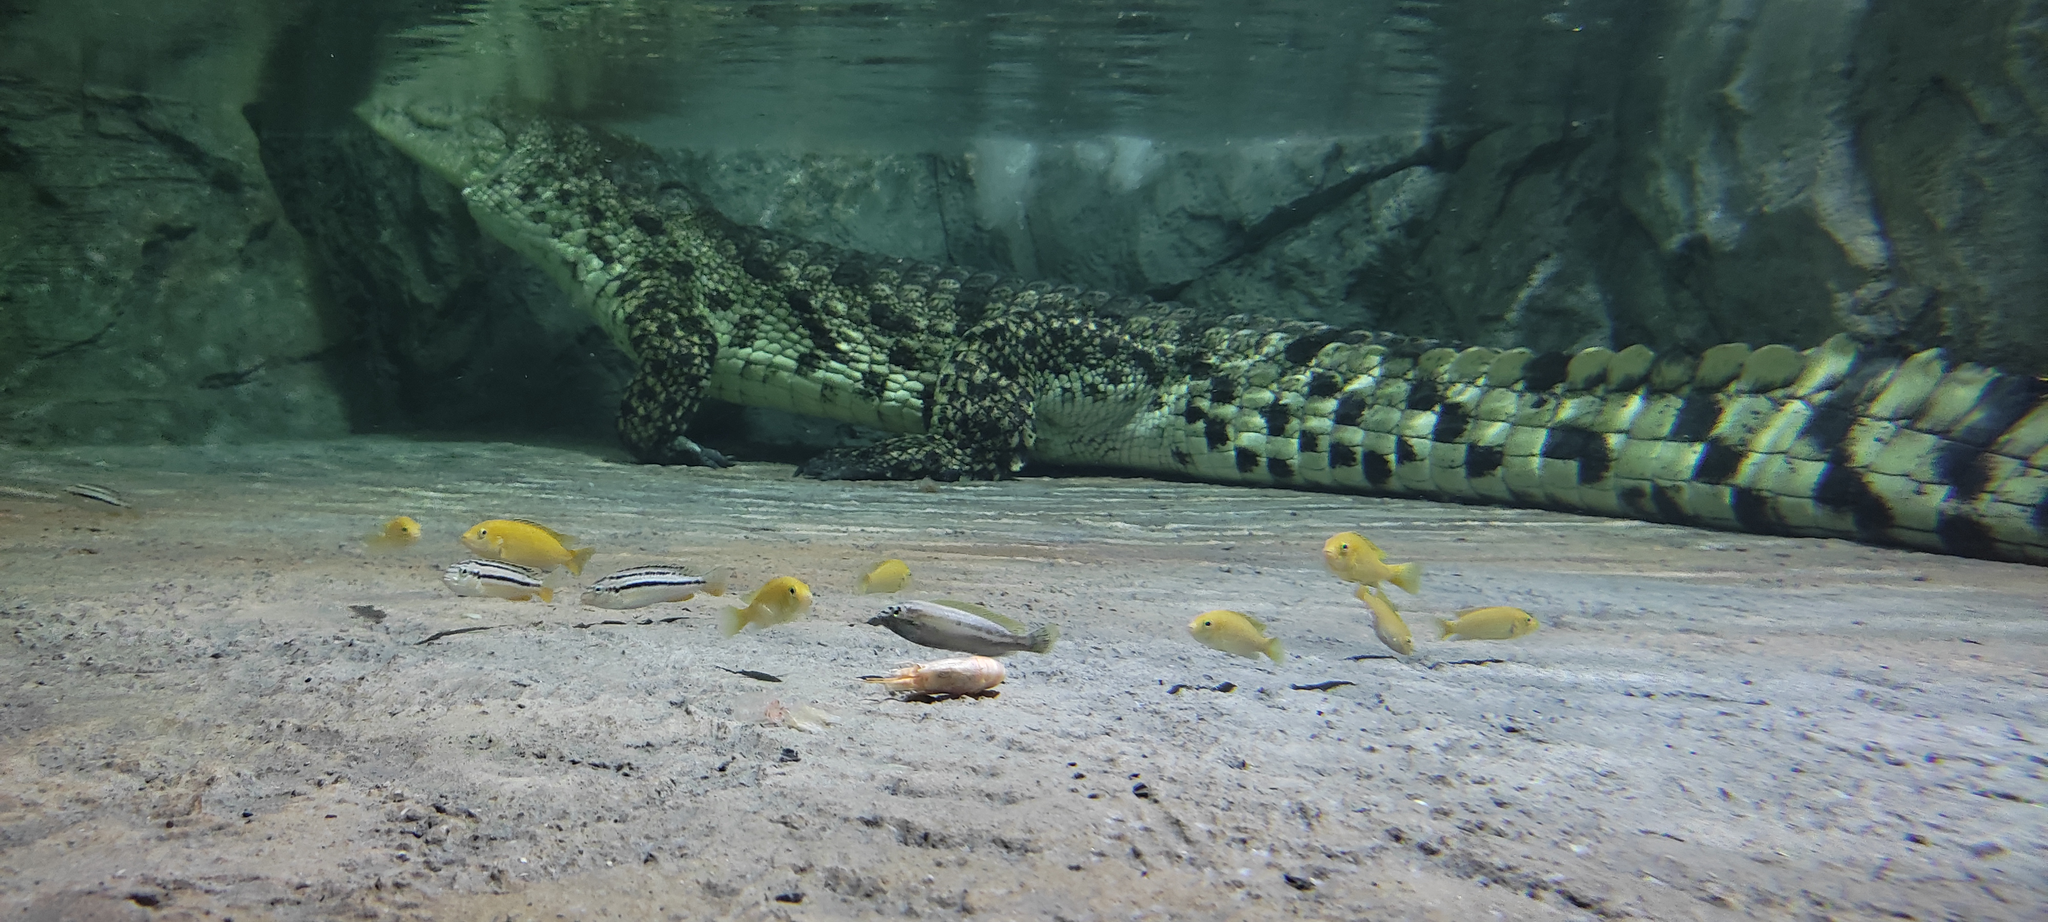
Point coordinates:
[[686, 452]]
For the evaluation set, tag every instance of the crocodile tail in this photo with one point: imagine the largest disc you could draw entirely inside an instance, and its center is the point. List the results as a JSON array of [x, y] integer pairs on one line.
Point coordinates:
[[1835, 441]]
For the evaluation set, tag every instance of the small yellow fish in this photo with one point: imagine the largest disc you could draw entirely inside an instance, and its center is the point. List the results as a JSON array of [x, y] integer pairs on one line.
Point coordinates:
[[1355, 559], [398, 533], [778, 601], [528, 544], [890, 575], [1495, 622], [1387, 623], [1234, 632]]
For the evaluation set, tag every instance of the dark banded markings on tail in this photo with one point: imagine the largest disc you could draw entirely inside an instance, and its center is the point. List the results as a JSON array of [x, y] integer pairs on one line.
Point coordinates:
[[1588, 448], [1277, 416], [1215, 433], [1842, 488], [1424, 394], [1378, 472], [1965, 536], [1718, 462], [1545, 371], [1697, 417], [1350, 409], [1451, 423], [1482, 460]]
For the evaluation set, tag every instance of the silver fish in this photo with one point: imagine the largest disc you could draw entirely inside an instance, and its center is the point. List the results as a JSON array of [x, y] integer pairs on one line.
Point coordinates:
[[638, 587], [97, 493], [499, 580], [964, 627]]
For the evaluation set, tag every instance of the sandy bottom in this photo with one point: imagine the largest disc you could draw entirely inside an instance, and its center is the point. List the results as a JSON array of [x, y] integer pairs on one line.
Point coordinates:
[[219, 705]]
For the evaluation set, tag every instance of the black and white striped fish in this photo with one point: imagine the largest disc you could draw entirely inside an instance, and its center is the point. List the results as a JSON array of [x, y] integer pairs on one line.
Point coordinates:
[[98, 494], [499, 580], [638, 587]]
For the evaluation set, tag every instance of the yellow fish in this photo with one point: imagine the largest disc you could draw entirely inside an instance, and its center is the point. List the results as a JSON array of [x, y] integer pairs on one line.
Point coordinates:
[[1234, 632], [778, 601], [1355, 559], [1495, 622], [398, 533], [1387, 623], [890, 575], [528, 544]]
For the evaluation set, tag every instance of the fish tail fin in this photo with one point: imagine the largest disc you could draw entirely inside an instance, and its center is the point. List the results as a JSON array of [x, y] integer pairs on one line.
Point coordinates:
[[578, 558], [731, 622], [1274, 650], [714, 582], [1447, 627], [1408, 576], [547, 594], [1043, 637]]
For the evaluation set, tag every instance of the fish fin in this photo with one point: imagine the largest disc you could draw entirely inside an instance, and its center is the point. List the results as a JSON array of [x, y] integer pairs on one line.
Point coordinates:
[[578, 558], [1043, 637], [1261, 625], [1408, 576], [558, 536], [732, 621], [1274, 650], [975, 608], [714, 582], [546, 594], [1447, 627]]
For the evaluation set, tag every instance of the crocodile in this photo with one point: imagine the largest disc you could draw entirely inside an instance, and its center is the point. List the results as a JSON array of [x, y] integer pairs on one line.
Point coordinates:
[[974, 376]]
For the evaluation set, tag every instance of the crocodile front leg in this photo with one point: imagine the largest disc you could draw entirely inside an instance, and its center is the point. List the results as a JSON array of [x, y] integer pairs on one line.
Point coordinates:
[[980, 416], [983, 419], [677, 348]]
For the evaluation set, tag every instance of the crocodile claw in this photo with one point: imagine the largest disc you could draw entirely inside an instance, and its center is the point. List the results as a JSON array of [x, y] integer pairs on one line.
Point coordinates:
[[687, 453]]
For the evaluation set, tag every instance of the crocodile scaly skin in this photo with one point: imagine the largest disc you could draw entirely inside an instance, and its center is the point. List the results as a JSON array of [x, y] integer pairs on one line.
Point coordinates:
[[978, 375]]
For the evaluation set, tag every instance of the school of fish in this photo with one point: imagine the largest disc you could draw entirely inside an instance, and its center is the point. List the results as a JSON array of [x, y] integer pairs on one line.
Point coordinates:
[[520, 559], [1354, 558]]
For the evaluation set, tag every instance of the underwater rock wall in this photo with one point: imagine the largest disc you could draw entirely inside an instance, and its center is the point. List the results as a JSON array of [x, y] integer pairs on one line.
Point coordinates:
[[196, 244], [1598, 173], [447, 330], [150, 287]]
